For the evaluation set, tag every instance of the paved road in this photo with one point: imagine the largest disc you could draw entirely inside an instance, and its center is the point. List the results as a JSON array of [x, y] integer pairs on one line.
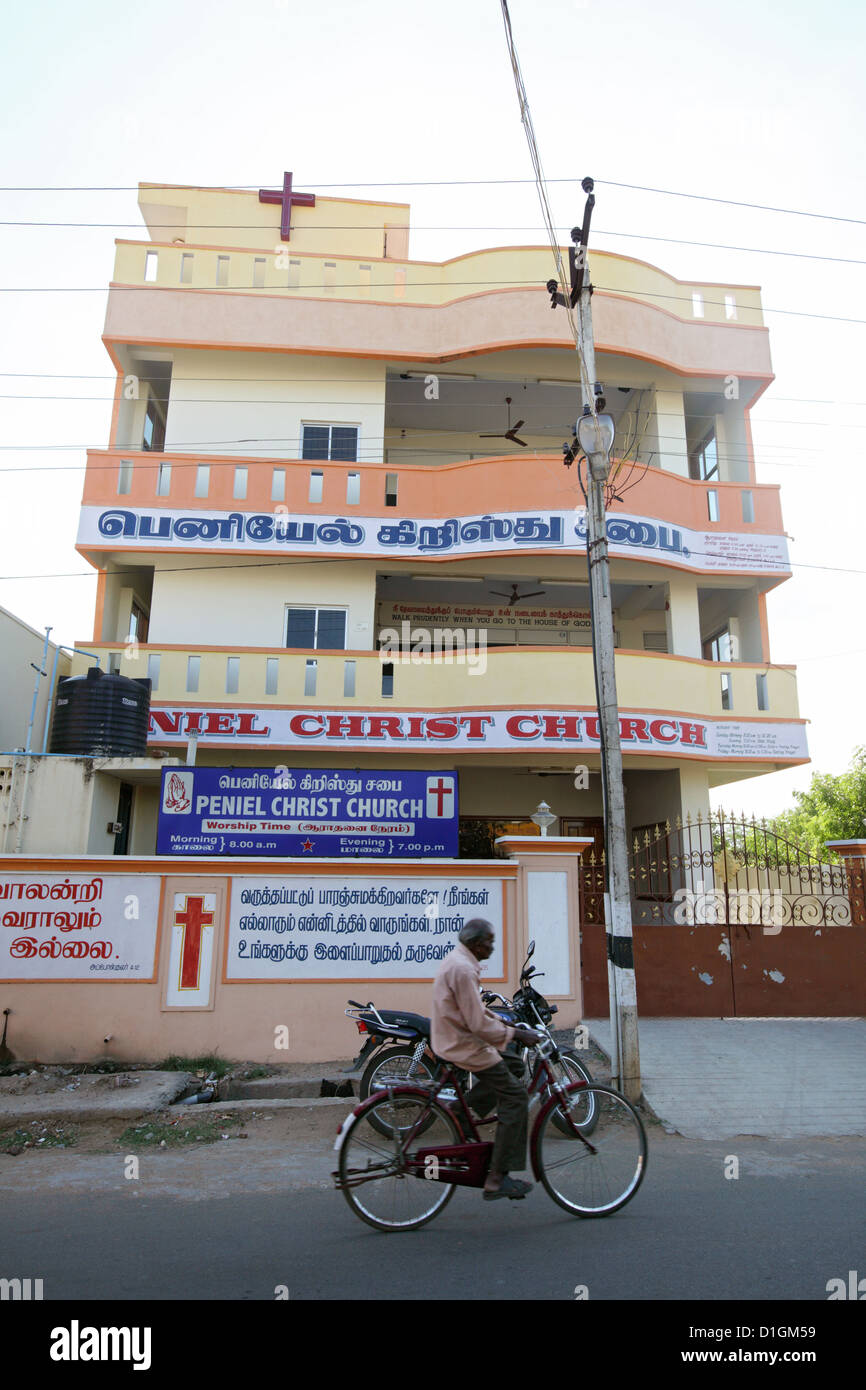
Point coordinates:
[[236, 1220]]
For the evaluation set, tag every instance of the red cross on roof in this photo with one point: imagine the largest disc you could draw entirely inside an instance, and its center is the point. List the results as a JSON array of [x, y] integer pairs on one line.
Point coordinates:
[[286, 197]]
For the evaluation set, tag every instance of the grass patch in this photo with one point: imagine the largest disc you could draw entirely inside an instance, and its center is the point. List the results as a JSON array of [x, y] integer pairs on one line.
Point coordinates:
[[183, 1130], [40, 1136], [256, 1073], [210, 1064]]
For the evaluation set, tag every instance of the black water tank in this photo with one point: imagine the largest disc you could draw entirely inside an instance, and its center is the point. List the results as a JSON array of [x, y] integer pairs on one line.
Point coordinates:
[[101, 713]]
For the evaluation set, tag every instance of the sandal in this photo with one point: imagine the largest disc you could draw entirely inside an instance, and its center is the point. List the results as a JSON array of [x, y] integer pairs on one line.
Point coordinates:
[[509, 1187]]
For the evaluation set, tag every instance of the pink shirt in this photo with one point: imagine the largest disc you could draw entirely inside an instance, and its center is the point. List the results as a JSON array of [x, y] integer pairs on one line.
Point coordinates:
[[462, 1030]]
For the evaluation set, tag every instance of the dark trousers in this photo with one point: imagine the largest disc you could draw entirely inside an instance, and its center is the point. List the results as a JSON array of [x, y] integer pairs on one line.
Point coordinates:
[[497, 1086]]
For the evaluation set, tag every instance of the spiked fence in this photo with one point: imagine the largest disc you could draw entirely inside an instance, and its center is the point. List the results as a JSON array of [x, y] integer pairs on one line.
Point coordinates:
[[730, 870]]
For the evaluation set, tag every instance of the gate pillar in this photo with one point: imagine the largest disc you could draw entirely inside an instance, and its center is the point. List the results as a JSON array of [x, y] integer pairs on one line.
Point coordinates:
[[853, 855], [548, 909]]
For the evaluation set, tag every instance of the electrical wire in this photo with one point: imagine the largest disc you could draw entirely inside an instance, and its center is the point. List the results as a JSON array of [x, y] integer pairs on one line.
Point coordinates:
[[444, 227], [441, 183], [479, 286]]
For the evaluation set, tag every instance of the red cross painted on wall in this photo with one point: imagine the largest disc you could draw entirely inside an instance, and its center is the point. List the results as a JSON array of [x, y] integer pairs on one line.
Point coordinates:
[[288, 199], [191, 919]]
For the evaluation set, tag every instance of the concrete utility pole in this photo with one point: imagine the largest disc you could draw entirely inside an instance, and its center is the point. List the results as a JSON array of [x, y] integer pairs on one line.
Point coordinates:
[[595, 434]]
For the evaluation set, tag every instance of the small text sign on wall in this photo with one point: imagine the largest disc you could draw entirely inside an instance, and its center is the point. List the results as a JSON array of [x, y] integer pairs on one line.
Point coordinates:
[[319, 928], [78, 927]]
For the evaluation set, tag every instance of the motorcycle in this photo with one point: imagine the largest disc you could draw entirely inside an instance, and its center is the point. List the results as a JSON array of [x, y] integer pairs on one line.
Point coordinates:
[[398, 1051]]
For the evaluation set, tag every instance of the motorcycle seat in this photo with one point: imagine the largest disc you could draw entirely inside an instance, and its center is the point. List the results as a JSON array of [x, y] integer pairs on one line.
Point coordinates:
[[398, 1018]]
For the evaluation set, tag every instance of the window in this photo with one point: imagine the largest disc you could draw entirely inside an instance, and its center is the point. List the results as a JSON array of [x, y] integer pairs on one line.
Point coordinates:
[[712, 504], [240, 490], [139, 623], [124, 478], [193, 671], [186, 261], [316, 485], [153, 435], [390, 489], [697, 305], [730, 307], [153, 671], [748, 503], [348, 678], [763, 695], [727, 698], [294, 274], [151, 265], [365, 273], [222, 270], [233, 671], [202, 480], [353, 489], [704, 461], [387, 680], [338, 442], [259, 273], [310, 672], [272, 675], [330, 276], [655, 641], [278, 485], [719, 647], [312, 629], [163, 480]]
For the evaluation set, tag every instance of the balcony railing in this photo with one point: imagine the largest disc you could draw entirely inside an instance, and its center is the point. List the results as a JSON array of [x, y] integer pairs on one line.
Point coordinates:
[[285, 272], [521, 677], [533, 482]]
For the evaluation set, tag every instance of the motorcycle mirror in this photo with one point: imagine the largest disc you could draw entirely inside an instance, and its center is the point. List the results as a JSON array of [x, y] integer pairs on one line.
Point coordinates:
[[531, 951]]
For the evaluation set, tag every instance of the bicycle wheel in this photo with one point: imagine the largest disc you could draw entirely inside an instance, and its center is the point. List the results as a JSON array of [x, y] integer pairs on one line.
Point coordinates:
[[393, 1068], [374, 1167], [592, 1175], [570, 1069]]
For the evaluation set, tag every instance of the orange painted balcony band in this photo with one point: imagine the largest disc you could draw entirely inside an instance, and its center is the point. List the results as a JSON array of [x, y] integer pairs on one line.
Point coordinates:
[[528, 483]]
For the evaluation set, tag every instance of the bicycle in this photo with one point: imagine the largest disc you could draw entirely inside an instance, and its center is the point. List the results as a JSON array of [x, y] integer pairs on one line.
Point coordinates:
[[394, 1182], [415, 1062]]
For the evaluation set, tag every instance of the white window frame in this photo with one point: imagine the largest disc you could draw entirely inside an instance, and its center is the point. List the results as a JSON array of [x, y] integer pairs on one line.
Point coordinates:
[[316, 608], [331, 425]]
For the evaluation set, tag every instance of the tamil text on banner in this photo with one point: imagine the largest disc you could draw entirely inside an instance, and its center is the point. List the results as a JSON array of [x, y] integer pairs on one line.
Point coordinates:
[[78, 927], [316, 928]]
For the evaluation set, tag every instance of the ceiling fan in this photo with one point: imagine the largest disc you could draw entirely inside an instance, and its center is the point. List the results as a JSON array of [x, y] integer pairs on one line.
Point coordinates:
[[514, 596], [511, 432]]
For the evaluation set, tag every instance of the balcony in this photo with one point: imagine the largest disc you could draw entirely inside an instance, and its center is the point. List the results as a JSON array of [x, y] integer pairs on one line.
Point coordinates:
[[290, 273], [520, 678], [487, 301], [533, 482]]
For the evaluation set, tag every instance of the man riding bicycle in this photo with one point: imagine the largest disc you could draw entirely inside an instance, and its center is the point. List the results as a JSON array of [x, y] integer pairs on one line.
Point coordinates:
[[467, 1034]]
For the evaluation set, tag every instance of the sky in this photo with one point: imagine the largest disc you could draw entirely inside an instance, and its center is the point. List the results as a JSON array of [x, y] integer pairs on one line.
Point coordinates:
[[752, 104]]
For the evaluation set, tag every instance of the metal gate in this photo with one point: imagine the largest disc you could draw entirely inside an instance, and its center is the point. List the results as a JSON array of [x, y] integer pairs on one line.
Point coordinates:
[[751, 923], [738, 873]]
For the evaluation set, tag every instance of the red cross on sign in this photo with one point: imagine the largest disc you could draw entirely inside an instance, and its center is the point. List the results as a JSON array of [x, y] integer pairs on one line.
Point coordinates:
[[191, 920], [438, 791], [287, 198]]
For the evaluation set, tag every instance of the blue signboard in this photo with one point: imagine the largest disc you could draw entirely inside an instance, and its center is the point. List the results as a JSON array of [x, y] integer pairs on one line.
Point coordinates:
[[301, 812]]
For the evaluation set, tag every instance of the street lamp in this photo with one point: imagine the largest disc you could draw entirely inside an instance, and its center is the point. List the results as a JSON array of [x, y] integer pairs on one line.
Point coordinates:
[[595, 436], [543, 817]]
